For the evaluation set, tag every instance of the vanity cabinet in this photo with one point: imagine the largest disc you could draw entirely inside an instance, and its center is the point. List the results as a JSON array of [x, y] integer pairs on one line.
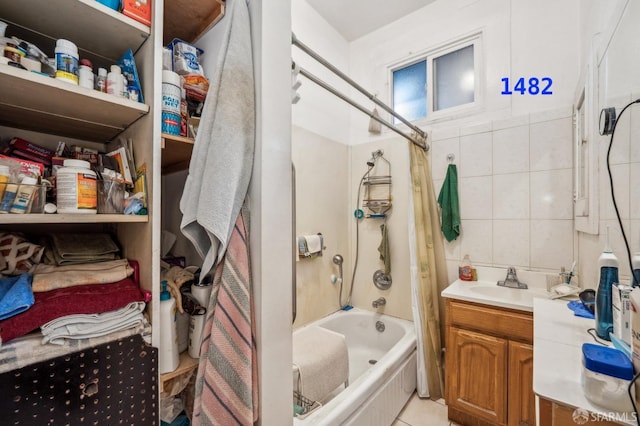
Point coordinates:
[[489, 365]]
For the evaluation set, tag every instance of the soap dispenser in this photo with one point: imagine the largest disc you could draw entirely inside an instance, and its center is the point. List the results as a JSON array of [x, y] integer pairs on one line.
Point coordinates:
[[608, 266], [168, 356]]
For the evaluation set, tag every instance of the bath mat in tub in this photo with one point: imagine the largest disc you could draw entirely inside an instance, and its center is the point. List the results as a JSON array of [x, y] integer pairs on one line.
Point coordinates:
[[322, 360]]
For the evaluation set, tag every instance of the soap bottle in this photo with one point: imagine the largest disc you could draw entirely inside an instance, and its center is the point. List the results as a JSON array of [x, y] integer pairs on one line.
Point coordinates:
[[168, 356], [466, 271], [608, 266]]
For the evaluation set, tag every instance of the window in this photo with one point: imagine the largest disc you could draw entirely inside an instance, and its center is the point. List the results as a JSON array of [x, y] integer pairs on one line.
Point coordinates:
[[444, 79]]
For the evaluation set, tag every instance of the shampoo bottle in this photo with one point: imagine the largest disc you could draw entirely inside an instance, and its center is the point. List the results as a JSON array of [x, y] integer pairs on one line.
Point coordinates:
[[608, 266], [168, 356]]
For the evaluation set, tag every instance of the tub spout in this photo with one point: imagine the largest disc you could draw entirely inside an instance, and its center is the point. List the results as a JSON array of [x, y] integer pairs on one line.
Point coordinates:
[[381, 301]]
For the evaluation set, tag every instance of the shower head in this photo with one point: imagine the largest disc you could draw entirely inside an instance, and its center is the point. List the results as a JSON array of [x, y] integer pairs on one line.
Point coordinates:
[[370, 163], [337, 259]]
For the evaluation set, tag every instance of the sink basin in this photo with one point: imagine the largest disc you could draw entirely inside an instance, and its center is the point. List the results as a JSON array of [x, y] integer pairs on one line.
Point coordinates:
[[494, 293]]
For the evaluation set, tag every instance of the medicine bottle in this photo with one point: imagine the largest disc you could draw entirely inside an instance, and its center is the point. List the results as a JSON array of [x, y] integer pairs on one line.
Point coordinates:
[[101, 81], [114, 81], [76, 188]]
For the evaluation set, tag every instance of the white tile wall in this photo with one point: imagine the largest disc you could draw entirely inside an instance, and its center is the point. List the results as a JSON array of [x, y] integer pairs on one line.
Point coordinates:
[[511, 150], [516, 191]]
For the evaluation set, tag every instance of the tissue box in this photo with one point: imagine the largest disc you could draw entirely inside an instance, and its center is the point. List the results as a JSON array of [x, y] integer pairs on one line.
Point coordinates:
[[621, 316], [140, 10]]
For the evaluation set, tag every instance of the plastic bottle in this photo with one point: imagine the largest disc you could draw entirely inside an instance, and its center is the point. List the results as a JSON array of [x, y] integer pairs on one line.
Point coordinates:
[[466, 271], [66, 61], [608, 265], [168, 356], [114, 81], [201, 292], [85, 74], [101, 81], [76, 188], [8, 197], [23, 195], [170, 102]]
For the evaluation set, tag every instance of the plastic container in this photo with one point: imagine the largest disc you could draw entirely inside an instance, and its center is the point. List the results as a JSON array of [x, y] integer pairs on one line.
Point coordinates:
[[466, 271], [608, 266], [24, 193], [85, 74], [112, 4], [168, 355], [170, 102], [114, 81], [66, 61], [76, 188], [101, 81], [201, 292], [606, 375], [110, 196]]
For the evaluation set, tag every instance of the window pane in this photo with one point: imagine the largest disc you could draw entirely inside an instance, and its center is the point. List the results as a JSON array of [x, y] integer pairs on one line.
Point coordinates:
[[454, 79], [410, 91]]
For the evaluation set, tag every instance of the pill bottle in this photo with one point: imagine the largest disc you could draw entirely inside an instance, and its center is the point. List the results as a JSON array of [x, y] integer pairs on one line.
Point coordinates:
[[114, 81], [23, 195], [101, 81], [66, 61], [85, 74], [76, 188], [4, 178]]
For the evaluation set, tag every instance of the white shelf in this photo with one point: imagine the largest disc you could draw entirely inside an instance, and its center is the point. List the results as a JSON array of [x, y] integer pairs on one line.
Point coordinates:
[[12, 219], [90, 25], [39, 103]]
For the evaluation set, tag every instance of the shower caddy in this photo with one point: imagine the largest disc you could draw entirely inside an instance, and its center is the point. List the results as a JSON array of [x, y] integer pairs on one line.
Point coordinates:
[[377, 187]]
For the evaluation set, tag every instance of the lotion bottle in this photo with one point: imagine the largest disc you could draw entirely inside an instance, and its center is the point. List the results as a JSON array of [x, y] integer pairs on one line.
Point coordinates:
[[608, 266], [168, 356]]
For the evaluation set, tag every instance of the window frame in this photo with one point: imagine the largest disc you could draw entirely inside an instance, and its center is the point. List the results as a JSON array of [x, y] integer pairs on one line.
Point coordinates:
[[429, 55]]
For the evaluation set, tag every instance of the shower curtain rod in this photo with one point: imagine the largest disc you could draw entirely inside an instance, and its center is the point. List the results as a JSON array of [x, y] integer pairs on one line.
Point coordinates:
[[419, 140], [336, 71]]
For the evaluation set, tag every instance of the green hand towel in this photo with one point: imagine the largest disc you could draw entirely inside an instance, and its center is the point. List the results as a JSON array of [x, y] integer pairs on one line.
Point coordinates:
[[383, 249], [448, 201]]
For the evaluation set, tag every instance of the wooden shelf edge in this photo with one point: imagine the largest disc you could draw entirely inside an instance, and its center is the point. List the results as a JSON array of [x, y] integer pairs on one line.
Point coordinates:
[[186, 365], [12, 219], [175, 138]]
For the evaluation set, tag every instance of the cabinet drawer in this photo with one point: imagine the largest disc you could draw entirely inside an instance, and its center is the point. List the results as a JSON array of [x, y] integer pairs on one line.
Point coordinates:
[[497, 321]]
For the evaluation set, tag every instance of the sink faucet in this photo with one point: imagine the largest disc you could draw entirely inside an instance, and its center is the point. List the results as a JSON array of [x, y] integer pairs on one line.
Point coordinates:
[[381, 301], [511, 280]]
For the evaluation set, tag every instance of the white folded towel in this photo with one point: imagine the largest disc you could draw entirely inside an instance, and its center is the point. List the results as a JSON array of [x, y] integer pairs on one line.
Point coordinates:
[[322, 359], [84, 326], [314, 243]]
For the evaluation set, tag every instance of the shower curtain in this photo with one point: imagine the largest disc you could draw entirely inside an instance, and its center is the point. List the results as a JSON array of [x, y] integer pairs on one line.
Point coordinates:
[[428, 274]]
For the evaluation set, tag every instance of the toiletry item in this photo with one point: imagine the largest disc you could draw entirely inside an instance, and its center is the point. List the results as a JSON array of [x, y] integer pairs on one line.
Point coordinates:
[[8, 197], [170, 102], [101, 81], [201, 292], [466, 270], [168, 356], [5, 175], [606, 374], [23, 195], [608, 266], [114, 81], [634, 303], [85, 74], [66, 61], [76, 188], [620, 294]]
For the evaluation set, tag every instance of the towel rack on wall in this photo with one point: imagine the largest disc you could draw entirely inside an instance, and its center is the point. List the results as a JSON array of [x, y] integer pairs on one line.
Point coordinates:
[[418, 136]]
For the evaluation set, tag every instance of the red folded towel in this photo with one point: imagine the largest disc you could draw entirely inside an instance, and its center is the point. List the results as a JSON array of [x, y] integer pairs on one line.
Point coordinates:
[[82, 299]]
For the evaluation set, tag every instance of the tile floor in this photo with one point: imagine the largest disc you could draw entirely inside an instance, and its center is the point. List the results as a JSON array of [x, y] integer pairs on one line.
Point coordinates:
[[423, 412]]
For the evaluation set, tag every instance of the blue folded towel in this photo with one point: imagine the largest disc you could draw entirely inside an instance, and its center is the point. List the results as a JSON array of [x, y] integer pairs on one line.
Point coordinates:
[[16, 295], [579, 309]]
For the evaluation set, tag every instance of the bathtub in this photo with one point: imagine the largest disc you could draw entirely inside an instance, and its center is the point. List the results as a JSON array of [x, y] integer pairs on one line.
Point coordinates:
[[382, 370]]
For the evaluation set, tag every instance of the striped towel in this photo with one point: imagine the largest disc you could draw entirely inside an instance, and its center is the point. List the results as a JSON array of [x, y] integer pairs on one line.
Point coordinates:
[[227, 381]]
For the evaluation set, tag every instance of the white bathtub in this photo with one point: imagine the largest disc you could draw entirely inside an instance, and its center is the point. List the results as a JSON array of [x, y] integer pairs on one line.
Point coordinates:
[[377, 391]]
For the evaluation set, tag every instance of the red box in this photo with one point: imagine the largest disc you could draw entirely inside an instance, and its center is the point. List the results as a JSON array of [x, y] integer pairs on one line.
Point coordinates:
[[140, 10]]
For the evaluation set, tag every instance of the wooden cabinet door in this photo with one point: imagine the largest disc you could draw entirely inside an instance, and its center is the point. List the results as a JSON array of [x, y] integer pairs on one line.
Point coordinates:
[[522, 405], [477, 375]]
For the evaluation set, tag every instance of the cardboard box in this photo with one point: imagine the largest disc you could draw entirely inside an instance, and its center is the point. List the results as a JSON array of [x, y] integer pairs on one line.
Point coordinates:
[[140, 10], [620, 295]]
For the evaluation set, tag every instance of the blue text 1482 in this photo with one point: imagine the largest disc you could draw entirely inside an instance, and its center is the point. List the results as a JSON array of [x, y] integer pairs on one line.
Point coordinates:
[[535, 86]]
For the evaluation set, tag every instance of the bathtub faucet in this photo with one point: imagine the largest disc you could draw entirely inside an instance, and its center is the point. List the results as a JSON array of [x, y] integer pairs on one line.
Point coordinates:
[[381, 301]]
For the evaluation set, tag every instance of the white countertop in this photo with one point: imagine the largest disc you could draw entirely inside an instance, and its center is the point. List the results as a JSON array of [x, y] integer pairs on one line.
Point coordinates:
[[558, 336]]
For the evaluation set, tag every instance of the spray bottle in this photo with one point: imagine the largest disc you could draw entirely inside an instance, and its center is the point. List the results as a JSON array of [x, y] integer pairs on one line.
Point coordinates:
[[608, 264]]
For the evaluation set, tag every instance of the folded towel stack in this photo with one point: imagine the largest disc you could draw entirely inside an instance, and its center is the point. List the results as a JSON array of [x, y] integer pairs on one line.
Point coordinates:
[[15, 295], [86, 326], [322, 361], [68, 249]]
